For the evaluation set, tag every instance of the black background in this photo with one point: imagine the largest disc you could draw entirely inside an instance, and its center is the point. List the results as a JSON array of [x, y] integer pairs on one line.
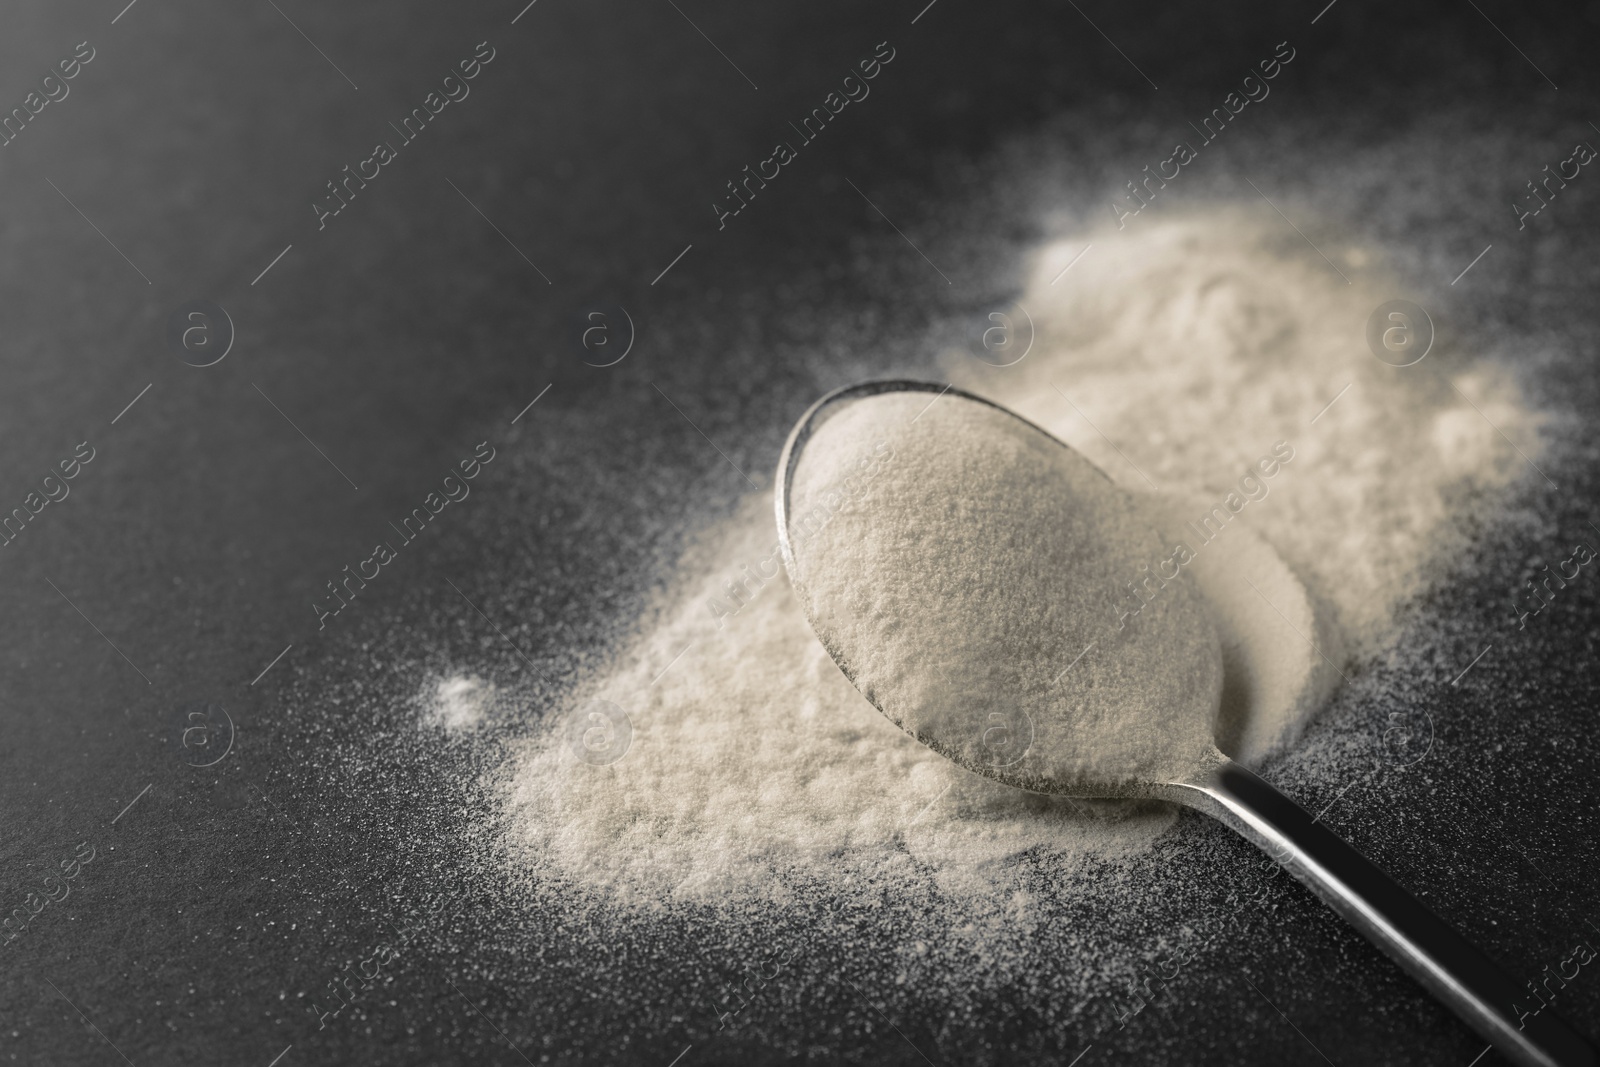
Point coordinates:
[[409, 330]]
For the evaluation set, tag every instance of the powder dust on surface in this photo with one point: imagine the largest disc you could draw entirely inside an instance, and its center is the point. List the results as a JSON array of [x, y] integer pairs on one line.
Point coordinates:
[[757, 777]]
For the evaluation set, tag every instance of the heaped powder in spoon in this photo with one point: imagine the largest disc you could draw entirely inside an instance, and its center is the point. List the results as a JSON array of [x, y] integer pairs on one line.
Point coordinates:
[[976, 599]]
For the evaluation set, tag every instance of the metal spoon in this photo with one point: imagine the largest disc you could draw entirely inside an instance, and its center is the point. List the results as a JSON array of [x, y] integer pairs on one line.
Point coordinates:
[[1450, 967]]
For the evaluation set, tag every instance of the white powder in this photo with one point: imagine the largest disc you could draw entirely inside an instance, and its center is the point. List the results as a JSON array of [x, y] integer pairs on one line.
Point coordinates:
[[756, 770], [459, 702], [1186, 351], [970, 599], [1280, 655], [754, 763]]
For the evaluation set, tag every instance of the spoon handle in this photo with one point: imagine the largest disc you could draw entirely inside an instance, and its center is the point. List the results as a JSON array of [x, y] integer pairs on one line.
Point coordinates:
[[1511, 1018]]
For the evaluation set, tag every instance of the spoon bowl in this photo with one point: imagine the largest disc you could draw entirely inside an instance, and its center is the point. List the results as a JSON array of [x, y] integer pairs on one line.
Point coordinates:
[[1039, 679]]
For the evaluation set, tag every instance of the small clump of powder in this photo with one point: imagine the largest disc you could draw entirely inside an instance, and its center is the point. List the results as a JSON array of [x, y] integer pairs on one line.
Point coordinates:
[[970, 599], [459, 702]]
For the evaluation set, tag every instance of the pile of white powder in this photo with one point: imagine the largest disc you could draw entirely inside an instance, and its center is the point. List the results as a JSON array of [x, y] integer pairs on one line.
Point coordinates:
[[1182, 354], [1174, 358]]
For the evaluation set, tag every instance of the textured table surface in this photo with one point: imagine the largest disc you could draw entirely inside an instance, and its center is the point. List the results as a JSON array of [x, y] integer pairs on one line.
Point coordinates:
[[375, 348]]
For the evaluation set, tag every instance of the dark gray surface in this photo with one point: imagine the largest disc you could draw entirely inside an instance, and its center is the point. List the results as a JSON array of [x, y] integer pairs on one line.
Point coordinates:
[[408, 331]]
